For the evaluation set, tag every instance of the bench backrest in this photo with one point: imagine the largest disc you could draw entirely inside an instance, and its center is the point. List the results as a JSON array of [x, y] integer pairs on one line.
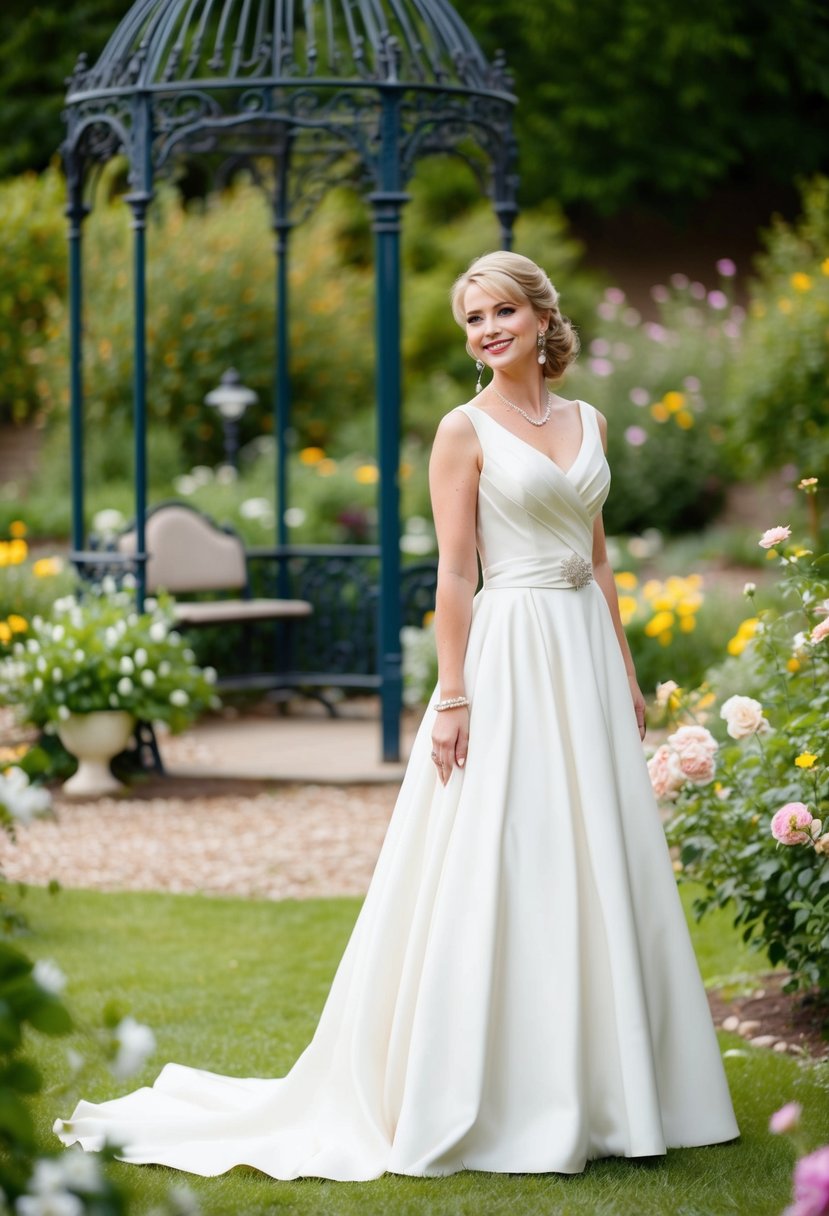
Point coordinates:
[[186, 552]]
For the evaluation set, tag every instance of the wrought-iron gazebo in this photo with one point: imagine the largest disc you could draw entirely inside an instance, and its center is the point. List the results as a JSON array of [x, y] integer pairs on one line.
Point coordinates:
[[306, 95]]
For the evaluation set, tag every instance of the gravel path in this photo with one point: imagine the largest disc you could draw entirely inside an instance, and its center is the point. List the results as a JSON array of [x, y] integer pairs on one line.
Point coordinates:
[[293, 841]]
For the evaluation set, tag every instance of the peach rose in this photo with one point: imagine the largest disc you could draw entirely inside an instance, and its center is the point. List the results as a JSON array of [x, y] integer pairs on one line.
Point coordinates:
[[820, 631], [743, 717], [664, 692], [664, 771], [793, 824], [773, 536], [692, 736]]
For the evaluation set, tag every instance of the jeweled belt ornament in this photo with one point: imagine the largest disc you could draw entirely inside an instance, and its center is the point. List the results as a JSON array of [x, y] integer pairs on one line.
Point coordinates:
[[577, 571]]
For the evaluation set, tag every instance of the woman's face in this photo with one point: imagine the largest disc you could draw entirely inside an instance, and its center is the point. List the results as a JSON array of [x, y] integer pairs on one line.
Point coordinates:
[[501, 333]]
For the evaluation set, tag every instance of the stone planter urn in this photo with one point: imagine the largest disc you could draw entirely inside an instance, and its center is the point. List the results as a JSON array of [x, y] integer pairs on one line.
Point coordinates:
[[94, 739]]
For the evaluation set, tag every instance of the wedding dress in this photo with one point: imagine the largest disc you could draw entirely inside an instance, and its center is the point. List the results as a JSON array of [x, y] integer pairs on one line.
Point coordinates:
[[519, 993]]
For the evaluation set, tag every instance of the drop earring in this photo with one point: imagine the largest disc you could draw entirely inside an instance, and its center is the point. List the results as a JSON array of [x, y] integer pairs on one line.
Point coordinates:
[[541, 342], [479, 368]]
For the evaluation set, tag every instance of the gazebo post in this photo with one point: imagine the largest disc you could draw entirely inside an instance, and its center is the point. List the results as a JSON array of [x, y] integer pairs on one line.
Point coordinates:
[[387, 203], [282, 373], [76, 212], [139, 200]]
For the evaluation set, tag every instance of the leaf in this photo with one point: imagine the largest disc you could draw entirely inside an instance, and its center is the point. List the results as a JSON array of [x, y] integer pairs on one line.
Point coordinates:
[[50, 1016], [15, 1120], [22, 1076]]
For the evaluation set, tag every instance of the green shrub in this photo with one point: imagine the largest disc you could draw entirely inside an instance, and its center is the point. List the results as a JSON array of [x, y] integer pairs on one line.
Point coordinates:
[[780, 662], [778, 396]]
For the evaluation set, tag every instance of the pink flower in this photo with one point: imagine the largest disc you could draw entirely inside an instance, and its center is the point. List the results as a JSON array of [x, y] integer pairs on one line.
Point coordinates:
[[811, 1185], [636, 436], [639, 396], [695, 746], [718, 300], [792, 824], [679, 281], [773, 536], [698, 291], [665, 773], [601, 367], [600, 347], [820, 631], [660, 294], [656, 333], [726, 268], [786, 1119], [614, 295]]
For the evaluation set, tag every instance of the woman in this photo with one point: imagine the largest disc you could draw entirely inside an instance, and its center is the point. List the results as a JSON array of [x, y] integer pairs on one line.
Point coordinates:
[[519, 993]]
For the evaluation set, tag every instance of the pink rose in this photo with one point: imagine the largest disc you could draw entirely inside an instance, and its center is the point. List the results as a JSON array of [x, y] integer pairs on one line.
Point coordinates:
[[786, 1119], [744, 717], [697, 764], [665, 773], [773, 536], [811, 1185], [820, 631], [792, 824], [693, 736]]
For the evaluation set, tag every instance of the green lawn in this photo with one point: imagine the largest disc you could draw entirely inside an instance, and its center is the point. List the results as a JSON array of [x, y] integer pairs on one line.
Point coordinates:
[[236, 986]]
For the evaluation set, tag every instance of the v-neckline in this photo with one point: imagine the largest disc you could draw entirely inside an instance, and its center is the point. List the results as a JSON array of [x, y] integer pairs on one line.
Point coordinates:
[[526, 443]]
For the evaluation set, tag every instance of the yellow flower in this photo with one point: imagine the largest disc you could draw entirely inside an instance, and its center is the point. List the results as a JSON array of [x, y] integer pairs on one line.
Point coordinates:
[[662, 602], [801, 281], [706, 700], [428, 617], [311, 455], [17, 624], [824, 266], [367, 474], [684, 419], [689, 604], [17, 551], [5, 633], [659, 623], [673, 402], [659, 412], [688, 624], [736, 646], [627, 608], [665, 638], [806, 759], [748, 627], [793, 664], [326, 467], [651, 588], [784, 305], [18, 529], [44, 567], [626, 580]]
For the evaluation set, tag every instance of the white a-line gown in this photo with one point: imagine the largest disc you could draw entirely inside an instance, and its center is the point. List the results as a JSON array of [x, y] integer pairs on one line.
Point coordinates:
[[519, 993]]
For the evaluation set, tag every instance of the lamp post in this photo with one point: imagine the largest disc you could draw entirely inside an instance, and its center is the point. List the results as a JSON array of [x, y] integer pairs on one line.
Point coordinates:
[[231, 399]]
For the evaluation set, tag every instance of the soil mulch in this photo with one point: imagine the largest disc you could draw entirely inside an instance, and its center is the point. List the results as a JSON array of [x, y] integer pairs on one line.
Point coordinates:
[[797, 1019]]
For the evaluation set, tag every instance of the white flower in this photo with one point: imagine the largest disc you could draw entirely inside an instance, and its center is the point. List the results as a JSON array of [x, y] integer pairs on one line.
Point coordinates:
[[57, 674], [185, 485], [294, 517], [113, 700], [147, 677], [33, 645], [743, 717], [21, 799], [37, 684], [63, 712], [226, 474], [209, 674], [126, 666], [164, 669], [189, 656], [158, 631], [48, 976], [183, 1201], [111, 636], [124, 686], [108, 585], [41, 664], [150, 603], [749, 589], [201, 474], [47, 1177], [108, 521], [58, 633], [179, 697], [81, 1171], [140, 657], [78, 656], [59, 1203], [665, 691], [136, 1043], [74, 1059], [255, 508]]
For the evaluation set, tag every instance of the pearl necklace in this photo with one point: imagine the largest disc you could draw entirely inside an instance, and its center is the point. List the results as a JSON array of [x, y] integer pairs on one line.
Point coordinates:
[[523, 413]]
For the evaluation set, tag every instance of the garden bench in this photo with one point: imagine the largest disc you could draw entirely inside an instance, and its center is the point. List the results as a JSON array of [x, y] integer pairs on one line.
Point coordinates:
[[188, 554]]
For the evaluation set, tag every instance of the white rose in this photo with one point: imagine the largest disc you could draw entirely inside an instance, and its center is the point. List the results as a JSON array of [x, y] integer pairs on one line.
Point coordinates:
[[48, 976], [665, 691], [743, 717]]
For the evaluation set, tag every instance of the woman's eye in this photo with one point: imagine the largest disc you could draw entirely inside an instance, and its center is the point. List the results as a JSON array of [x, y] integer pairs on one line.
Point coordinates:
[[505, 312], [471, 320]]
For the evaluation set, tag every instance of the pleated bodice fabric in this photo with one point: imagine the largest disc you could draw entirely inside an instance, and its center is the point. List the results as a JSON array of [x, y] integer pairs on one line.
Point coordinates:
[[519, 993]]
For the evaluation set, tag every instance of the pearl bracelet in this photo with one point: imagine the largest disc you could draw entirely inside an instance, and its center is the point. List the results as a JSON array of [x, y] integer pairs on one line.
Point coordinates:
[[451, 703]]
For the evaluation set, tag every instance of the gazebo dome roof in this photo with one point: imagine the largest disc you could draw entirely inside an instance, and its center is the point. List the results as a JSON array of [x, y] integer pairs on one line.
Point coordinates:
[[174, 45]]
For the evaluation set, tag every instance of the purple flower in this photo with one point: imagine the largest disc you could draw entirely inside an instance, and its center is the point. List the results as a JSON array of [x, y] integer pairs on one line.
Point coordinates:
[[726, 268], [698, 291], [718, 300], [601, 367], [614, 295], [599, 346], [640, 396], [636, 436], [606, 310], [656, 333], [660, 294], [811, 1185], [679, 281]]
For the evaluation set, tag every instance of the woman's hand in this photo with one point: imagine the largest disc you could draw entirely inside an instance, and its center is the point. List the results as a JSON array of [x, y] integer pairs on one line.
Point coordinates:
[[450, 740], [638, 704]]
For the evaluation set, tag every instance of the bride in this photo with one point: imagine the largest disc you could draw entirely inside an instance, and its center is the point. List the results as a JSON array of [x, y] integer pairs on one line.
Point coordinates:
[[520, 992]]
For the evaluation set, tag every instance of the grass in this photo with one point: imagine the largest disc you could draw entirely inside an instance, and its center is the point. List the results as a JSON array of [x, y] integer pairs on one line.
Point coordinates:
[[236, 986]]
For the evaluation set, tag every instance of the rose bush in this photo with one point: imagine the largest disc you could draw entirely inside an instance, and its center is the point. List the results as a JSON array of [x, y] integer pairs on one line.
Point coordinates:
[[751, 837]]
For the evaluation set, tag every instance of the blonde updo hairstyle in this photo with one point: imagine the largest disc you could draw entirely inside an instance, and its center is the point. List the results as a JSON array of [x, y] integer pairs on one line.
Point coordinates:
[[516, 279]]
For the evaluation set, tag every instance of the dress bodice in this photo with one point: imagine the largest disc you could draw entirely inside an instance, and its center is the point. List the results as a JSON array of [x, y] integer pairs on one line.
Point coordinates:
[[535, 519]]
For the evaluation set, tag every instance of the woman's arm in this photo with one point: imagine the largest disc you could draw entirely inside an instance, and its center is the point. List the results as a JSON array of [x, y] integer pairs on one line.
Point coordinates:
[[454, 472], [603, 574]]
